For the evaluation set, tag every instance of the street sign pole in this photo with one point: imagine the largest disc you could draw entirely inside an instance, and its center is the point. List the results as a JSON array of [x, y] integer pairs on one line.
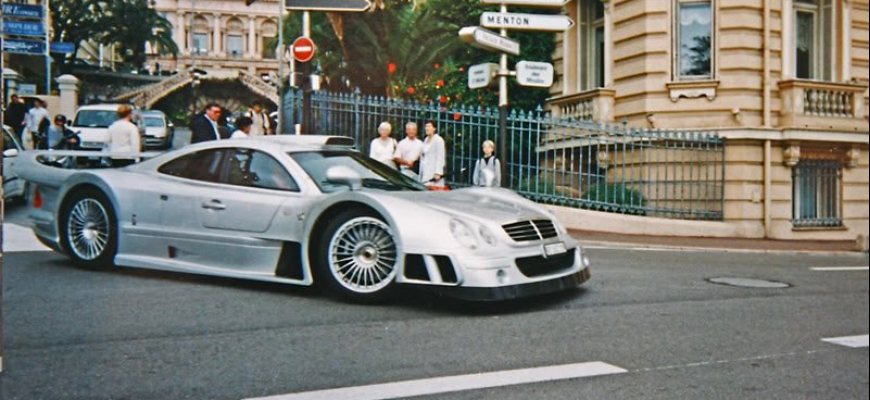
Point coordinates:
[[47, 19], [306, 79], [503, 73], [279, 53]]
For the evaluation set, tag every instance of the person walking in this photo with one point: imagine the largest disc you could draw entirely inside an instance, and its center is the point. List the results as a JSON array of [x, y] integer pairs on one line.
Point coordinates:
[[408, 152], [487, 170], [205, 125], [35, 118], [384, 146], [433, 156], [243, 128], [16, 116], [123, 137], [261, 123]]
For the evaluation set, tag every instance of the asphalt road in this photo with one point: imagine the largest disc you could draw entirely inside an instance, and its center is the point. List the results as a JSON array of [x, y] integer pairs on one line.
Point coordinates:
[[134, 334]]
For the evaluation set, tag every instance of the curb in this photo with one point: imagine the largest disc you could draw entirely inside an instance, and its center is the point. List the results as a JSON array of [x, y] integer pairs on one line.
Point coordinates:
[[591, 244]]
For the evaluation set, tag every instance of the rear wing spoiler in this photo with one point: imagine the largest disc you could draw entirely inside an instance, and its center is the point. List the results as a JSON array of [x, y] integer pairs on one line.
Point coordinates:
[[53, 167]]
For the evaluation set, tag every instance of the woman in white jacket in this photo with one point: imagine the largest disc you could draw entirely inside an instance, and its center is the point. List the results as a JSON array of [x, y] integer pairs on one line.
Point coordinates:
[[383, 148], [432, 160]]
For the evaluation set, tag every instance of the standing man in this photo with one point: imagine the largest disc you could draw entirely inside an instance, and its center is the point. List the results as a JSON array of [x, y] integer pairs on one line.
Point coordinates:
[[16, 115], [262, 124], [205, 126], [408, 152], [34, 120], [123, 137]]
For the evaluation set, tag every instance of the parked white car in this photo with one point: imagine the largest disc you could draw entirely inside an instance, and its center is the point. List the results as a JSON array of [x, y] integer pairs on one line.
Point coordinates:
[[159, 131], [13, 187], [92, 123]]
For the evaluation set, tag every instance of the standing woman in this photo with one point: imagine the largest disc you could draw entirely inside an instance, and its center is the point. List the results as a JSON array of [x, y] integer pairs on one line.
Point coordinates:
[[487, 170], [384, 146], [432, 159], [123, 137]]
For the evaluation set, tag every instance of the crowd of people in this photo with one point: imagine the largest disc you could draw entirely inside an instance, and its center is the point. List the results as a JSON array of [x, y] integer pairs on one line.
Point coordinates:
[[424, 159], [213, 124]]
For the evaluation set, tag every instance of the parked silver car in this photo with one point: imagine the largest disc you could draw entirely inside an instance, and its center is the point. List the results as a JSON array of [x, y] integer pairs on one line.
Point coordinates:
[[297, 210], [159, 131]]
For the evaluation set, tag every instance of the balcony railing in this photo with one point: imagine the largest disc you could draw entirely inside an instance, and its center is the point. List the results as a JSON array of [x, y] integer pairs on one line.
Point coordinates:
[[822, 105], [590, 105]]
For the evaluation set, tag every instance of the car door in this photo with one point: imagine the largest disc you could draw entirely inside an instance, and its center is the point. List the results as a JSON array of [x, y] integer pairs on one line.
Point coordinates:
[[12, 185]]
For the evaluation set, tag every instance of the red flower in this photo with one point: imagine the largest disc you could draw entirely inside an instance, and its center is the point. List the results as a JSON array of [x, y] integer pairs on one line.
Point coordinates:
[[437, 66], [440, 82], [443, 99], [457, 116], [461, 69], [391, 67], [411, 90]]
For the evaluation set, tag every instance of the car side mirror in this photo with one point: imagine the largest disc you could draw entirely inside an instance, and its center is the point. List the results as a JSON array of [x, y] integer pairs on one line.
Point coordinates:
[[341, 175], [9, 153]]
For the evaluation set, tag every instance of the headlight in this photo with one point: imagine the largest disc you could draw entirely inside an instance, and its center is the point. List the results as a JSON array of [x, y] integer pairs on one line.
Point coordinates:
[[463, 233], [487, 235]]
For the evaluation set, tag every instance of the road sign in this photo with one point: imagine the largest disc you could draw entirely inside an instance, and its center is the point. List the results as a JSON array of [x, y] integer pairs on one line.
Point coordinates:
[[528, 22], [61, 47], [527, 3], [480, 75], [15, 10], [23, 28], [488, 40], [328, 5], [24, 46], [303, 49], [532, 73], [27, 89]]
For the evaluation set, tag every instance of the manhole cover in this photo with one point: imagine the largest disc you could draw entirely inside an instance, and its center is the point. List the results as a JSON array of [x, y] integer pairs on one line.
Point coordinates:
[[749, 283]]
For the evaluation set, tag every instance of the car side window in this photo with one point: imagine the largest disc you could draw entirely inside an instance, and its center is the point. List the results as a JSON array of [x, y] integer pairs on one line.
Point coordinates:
[[201, 166], [252, 168]]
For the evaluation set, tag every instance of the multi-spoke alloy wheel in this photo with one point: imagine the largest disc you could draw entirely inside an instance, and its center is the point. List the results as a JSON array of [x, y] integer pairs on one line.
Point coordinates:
[[362, 255], [89, 232]]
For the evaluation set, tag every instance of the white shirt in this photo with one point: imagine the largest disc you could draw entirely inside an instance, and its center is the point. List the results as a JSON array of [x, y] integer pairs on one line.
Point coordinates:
[[34, 117], [122, 137], [214, 125], [432, 161], [238, 134], [261, 124], [384, 150], [409, 150]]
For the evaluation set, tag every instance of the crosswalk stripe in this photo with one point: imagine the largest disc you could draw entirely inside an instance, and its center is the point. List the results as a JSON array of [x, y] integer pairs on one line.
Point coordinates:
[[855, 342], [446, 384]]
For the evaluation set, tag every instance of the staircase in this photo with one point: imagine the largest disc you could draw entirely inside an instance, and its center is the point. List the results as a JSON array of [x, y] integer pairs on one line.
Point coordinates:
[[259, 86], [146, 96]]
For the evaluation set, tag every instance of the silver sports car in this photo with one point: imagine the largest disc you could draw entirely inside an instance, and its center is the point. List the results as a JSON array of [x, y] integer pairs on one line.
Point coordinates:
[[300, 210]]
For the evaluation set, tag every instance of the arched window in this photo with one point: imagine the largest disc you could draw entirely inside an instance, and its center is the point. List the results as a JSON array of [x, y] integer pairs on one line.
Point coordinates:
[[235, 38], [269, 34], [199, 37]]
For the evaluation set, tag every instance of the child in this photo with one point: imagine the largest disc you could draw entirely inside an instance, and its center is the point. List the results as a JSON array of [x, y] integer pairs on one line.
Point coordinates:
[[487, 170]]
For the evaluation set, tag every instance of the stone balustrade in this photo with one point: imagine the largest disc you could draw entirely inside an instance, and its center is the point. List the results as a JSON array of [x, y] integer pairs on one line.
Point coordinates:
[[822, 105]]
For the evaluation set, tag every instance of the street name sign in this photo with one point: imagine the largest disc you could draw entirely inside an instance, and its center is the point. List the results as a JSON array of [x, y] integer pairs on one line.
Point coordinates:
[[23, 28], [533, 73], [27, 89], [16, 10], [528, 22], [527, 3], [488, 40], [303, 49], [328, 5], [24, 46], [480, 75], [61, 47]]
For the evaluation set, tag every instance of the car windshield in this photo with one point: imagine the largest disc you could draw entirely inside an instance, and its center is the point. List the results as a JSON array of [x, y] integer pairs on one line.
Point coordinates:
[[154, 122], [95, 118], [374, 174]]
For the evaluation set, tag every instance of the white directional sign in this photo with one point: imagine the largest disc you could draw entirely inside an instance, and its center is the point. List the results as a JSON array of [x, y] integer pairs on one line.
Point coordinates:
[[328, 5], [480, 75], [488, 40], [528, 22], [537, 74], [527, 3]]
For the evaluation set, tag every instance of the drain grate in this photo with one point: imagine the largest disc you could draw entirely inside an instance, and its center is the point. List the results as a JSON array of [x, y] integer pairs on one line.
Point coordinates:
[[749, 283]]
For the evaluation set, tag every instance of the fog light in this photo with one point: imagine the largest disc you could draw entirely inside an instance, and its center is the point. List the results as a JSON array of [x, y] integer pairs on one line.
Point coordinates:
[[502, 276]]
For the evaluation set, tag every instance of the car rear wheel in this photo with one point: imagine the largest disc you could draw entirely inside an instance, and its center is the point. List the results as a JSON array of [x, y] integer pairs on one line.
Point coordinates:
[[89, 229], [359, 257]]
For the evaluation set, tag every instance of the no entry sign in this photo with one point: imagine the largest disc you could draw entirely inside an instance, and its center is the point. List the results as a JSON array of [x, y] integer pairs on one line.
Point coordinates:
[[303, 49]]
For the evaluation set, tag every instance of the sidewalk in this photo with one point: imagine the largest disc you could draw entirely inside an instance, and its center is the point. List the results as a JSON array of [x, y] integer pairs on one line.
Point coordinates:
[[590, 238]]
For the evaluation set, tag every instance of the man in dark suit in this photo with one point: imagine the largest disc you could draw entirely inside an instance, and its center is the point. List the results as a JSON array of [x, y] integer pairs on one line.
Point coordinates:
[[205, 125]]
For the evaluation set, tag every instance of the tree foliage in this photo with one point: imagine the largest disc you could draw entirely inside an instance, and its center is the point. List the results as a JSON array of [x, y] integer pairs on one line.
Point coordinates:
[[412, 50]]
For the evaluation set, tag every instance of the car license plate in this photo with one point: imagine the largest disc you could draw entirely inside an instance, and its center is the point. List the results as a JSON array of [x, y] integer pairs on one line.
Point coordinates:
[[553, 249]]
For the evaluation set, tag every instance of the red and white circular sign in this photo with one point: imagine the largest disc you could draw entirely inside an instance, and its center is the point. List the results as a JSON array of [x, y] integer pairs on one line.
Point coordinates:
[[303, 49]]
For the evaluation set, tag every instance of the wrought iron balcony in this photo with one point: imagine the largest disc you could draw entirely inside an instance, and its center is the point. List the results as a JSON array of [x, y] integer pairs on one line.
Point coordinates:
[[822, 105]]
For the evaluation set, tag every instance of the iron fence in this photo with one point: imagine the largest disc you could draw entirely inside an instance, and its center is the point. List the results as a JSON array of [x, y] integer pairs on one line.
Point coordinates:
[[561, 161]]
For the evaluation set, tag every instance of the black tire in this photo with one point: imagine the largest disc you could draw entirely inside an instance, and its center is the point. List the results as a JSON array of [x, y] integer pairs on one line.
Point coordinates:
[[89, 229], [362, 267]]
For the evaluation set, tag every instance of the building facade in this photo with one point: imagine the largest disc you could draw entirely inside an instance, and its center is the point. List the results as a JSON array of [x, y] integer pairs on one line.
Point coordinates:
[[783, 81], [222, 37]]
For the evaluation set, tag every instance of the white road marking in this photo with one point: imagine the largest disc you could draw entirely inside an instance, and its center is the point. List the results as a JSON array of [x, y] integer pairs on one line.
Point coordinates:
[[840, 268], [17, 238], [855, 342], [446, 384]]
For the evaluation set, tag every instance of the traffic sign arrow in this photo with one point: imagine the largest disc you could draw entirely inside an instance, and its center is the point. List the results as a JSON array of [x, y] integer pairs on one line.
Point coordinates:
[[328, 5], [527, 3], [488, 40], [528, 22]]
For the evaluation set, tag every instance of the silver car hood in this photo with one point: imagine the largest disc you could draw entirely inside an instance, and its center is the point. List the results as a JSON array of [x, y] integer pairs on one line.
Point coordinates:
[[483, 205]]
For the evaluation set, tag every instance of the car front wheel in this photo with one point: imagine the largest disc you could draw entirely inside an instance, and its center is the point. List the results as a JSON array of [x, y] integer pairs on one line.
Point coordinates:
[[359, 257], [89, 231]]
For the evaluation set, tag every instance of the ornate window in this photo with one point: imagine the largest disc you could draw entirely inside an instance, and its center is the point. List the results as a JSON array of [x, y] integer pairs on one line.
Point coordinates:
[[694, 39], [199, 37], [814, 43], [235, 38]]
